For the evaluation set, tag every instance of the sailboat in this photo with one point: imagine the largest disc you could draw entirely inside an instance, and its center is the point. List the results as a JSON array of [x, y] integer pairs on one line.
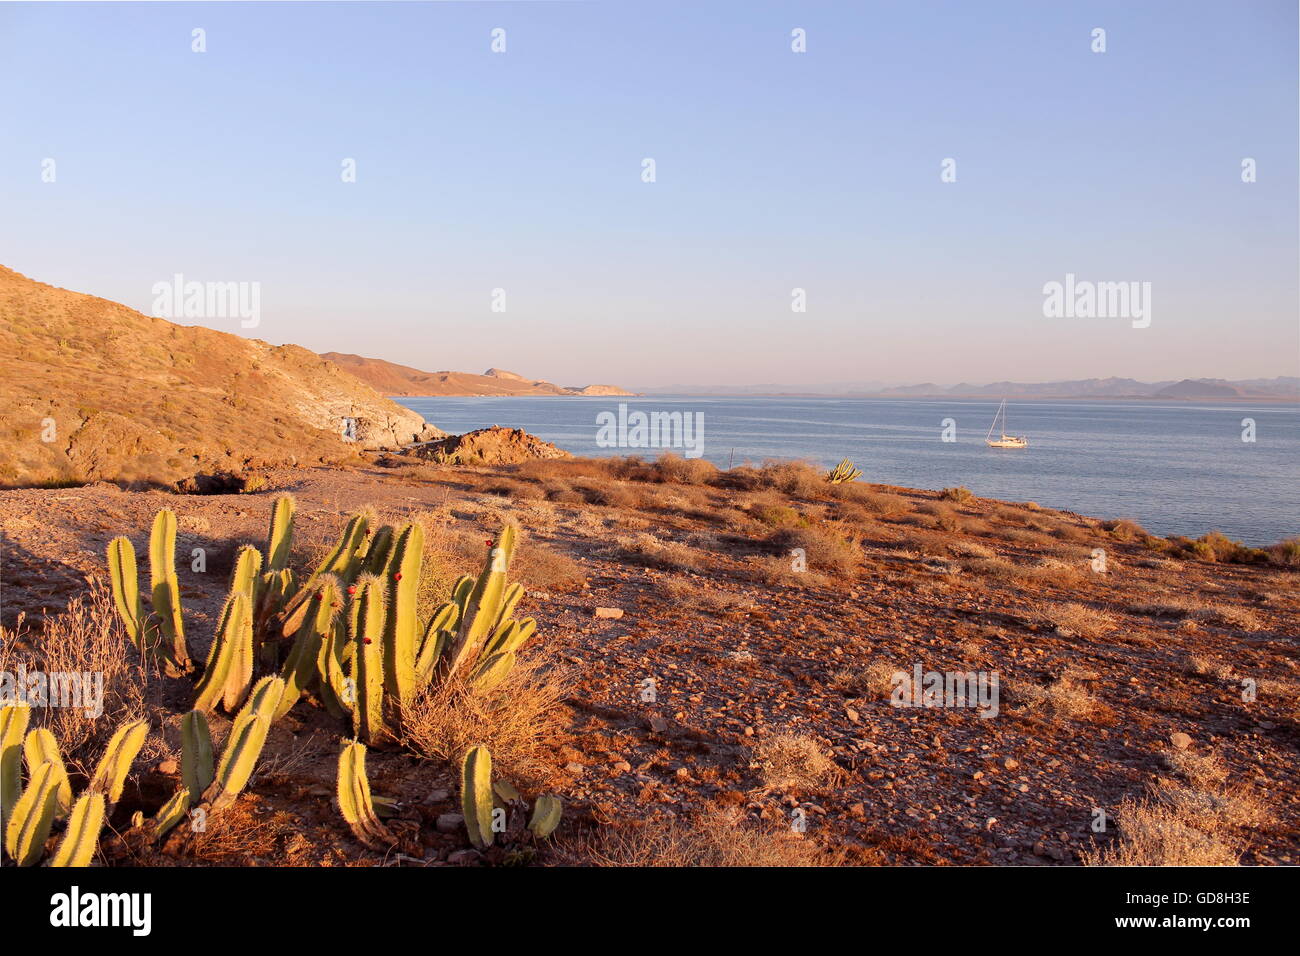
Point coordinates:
[[1006, 441]]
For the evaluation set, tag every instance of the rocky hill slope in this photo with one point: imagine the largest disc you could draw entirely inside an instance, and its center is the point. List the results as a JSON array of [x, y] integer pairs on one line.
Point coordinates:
[[389, 378], [90, 389]]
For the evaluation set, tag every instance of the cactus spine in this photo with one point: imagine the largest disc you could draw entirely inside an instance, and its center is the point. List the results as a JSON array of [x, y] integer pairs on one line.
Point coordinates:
[[29, 825], [170, 813], [402, 622], [304, 658], [110, 774], [342, 562], [366, 628], [476, 795], [82, 836], [13, 727], [41, 747], [126, 590], [196, 754], [244, 745], [354, 797], [166, 591]]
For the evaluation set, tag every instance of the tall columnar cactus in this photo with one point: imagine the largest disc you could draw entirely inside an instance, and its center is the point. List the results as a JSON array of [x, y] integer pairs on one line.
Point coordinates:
[[40, 747], [126, 590], [843, 472], [354, 798], [13, 728], [166, 592], [82, 836], [245, 742], [344, 562], [33, 815], [379, 551], [476, 795], [366, 630], [197, 768], [484, 602], [402, 623], [110, 773], [230, 661], [279, 539], [302, 665], [546, 816]]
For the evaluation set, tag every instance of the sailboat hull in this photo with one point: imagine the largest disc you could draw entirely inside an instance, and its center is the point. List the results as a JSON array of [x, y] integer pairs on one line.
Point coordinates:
[[1007, 441]]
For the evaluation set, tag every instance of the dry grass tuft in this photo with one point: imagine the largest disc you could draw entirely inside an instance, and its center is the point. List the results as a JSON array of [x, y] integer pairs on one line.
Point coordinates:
[[1156, 835], [720, 838], [1081, 620], [1066, 698], [86, 639], [519, 722], [789, 761]]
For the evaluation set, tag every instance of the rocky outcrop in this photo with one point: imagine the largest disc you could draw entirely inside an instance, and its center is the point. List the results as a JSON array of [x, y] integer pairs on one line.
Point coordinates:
[[488, 446], [389, 378]]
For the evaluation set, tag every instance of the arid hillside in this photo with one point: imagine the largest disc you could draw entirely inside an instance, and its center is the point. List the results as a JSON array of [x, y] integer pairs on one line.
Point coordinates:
[[90, 389], [388, 378], [713, 679]]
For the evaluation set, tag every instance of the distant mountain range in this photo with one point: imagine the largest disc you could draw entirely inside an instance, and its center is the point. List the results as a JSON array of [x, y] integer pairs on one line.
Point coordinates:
[[389, 378], [1282, 388]]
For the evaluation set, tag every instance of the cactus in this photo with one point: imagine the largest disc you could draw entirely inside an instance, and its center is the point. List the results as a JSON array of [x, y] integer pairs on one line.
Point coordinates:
[[230, 660], [170, 813], [491, 671], [13, 728], [343, 562], [244, 745], [354, 798], [843, 472], [484, 603], [41, 747], [196, 754], [110, 773], [379, 551], [510, 636], [366, 629], [401, 620], [82, 836], [166, 592], [279, 539], [476, 795], [126, 590], [303, 661], [32, 817], [546, 816]]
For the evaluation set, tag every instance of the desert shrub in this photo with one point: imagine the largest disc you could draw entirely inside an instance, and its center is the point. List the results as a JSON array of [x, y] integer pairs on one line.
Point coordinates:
[[542, 569], [1217, 547], [1064, 698], [874, 680], [86, 639], [703, 598], [960, 494], [880, 503], [645, 548], [800, 479], [945, 518], [789, 761], [1155, 835], [825, 548], [1285, 553], [1081, 620], [674, 469], [779, 569], [719, 838], [515, 489]]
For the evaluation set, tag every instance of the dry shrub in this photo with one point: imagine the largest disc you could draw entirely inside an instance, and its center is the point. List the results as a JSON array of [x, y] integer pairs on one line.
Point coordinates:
[[542, 569], [720, 838], [519, 722], [1152, 834], [700, 598], [518, 490], [780, 570], [875, 502], [1081, 620], [971, 549], [86, 639], [789, 761], [1285, 553], [945, 518], [1238, 618], [610, 494], [876, 679], [960, 494], [824, 547], [674, 469], [801, 479], [1065, 698], [645, 548], [1204, 667]]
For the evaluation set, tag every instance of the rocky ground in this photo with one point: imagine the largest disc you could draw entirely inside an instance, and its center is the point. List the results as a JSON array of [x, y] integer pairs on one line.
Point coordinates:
[[723, 703]]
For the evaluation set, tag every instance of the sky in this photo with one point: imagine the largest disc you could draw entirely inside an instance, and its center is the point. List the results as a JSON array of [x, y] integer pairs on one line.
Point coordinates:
[[774, 170]]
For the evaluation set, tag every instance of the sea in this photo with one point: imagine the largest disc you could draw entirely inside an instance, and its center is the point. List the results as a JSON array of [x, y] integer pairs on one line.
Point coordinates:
[[1174, 467]]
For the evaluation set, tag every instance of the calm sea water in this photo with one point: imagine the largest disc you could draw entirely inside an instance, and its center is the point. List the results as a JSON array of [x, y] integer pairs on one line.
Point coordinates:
[[1175, 468]]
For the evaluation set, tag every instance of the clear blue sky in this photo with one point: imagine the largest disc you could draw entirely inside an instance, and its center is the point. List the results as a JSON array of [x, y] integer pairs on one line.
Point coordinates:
[[775, 170]]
